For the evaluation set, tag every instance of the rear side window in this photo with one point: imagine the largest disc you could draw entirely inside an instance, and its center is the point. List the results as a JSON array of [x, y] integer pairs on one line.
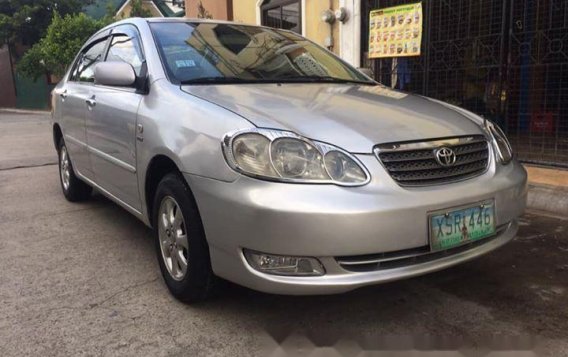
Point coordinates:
[[84, 70], [126, 49]]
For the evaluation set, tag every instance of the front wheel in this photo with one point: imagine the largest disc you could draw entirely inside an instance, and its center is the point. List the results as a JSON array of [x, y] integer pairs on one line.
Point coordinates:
[[183, 253], [73, 188]]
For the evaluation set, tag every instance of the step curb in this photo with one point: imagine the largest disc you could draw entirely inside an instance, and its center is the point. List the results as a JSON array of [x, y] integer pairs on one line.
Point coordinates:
[[23, 111], [552, 199]]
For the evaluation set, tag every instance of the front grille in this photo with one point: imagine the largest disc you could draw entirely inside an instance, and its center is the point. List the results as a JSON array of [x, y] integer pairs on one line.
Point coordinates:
[[408, 257], [415, 164]]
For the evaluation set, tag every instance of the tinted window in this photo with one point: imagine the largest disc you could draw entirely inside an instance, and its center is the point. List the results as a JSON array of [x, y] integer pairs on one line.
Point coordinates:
[[84, 69], [126, 49], [233, 39], [224, 53], [283, 14]]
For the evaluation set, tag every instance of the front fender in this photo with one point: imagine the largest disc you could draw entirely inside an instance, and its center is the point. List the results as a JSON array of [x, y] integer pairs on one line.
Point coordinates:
[[186, 129]]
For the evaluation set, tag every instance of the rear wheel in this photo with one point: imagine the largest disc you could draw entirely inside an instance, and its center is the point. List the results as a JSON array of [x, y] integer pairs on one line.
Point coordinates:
[[73, 188], [183, 253]]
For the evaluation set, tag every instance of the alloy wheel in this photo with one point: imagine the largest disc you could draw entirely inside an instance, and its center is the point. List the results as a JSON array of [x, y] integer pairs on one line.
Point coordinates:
[[172, 233], [64, 168]]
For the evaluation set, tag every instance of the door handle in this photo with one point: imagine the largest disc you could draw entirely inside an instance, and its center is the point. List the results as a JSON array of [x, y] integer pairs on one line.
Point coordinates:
[[140, 132], [91, 102], [63, 94]]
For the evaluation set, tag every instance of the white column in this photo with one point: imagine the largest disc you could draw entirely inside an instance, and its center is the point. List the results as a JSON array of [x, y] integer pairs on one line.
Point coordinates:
[[257, 9], [350, 33]]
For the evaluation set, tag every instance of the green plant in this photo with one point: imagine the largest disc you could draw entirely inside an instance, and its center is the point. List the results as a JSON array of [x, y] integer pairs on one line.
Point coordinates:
[[138, 10], [63, 39], [26, 21]]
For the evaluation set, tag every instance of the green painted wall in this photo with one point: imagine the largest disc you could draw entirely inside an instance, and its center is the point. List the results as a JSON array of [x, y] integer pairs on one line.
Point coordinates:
[[30, 94]]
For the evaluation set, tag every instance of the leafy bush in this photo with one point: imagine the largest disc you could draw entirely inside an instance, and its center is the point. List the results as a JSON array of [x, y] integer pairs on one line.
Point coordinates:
[[63, 39], [138, 10], [25, 21]]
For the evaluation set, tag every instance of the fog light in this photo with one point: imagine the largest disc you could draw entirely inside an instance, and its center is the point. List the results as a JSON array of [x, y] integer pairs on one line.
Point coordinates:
[[284, 265]]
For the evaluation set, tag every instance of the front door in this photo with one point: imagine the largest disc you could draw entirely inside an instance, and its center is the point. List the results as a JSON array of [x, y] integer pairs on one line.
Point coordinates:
[[73, 112], [73, 96], [111, 124]]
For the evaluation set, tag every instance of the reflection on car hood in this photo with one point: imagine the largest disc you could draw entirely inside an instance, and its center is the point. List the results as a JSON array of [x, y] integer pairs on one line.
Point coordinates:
[[353, 117]]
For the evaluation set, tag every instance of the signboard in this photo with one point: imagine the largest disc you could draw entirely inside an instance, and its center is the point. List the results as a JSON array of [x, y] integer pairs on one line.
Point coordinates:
[[395, 31]]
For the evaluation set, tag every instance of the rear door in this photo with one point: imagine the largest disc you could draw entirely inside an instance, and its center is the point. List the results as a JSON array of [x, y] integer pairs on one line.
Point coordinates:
[[111, 122], [73, 97]]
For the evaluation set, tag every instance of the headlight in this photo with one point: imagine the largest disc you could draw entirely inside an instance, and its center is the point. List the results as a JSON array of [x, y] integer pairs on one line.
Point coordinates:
[[287, 157], [500, 143]]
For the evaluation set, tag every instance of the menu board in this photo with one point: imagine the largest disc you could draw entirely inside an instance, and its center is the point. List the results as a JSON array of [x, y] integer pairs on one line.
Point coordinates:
[[395, 31]]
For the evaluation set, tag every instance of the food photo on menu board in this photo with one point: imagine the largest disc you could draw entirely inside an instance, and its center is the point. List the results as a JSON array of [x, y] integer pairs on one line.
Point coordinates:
[[395, 31]]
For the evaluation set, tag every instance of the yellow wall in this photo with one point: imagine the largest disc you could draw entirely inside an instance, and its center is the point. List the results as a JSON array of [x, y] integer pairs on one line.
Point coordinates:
[[316, 29], [244, 11]]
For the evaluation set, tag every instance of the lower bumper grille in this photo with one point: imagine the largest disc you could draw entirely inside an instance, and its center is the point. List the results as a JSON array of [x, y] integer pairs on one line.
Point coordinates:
[[436, 161], [407, 257]]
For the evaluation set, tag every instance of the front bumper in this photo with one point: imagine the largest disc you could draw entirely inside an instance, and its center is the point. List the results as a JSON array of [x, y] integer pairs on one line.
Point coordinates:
[[327, 221]]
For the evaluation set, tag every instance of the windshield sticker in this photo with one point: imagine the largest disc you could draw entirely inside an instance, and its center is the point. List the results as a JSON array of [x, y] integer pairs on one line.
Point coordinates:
[[185, 63]]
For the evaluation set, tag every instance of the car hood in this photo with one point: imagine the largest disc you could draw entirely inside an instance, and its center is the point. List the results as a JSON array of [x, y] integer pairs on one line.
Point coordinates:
[[353, 117]]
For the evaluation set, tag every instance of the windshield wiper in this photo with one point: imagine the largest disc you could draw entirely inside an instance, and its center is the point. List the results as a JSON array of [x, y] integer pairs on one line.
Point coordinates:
[[323, 79], [290, 79], [224, 80]]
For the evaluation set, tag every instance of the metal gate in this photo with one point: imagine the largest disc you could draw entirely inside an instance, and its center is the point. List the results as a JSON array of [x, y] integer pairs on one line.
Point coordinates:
[[504, 59]]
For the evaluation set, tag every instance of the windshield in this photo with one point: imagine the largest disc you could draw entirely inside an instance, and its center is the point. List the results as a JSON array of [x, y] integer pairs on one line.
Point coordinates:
[[210, 53]]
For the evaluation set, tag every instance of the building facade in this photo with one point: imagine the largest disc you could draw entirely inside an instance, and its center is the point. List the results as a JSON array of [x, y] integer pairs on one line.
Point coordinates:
[[506, 60], [302, 16]]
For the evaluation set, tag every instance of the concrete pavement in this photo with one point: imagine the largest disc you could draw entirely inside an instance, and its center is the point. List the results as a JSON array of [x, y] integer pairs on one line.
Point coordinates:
[[82, 279], [25, 142]]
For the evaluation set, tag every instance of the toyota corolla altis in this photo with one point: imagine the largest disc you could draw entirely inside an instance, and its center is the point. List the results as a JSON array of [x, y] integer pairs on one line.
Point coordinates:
[[261, 158]]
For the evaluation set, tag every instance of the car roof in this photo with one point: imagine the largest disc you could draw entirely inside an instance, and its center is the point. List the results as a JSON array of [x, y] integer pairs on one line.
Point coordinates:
[[190, 19], [140, 20]]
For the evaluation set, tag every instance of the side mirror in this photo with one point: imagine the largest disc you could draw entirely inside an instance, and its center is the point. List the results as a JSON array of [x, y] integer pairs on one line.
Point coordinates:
[[366, 71], [115, 73]]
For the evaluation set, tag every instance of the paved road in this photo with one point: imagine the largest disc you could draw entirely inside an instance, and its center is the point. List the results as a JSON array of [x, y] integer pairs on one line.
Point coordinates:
[[82, 279], [25, 140]]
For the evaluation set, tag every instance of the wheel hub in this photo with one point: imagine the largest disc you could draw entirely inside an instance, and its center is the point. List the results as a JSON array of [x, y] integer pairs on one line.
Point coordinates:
[[65, 170], [172, 234]]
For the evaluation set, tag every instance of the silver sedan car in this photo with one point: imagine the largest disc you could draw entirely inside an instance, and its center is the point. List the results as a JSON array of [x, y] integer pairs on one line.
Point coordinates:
[[263, 159]]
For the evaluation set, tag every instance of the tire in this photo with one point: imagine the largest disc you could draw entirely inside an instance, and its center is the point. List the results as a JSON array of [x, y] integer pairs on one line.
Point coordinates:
[[73, 188], [175, 216]]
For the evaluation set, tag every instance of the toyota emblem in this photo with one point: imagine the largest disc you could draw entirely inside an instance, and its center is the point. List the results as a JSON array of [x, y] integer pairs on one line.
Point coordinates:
[[445, 156]]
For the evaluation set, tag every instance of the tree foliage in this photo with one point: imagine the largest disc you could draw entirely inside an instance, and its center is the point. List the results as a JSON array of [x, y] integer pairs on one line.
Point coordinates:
[[26, 21], [138, 10], [63, 39]]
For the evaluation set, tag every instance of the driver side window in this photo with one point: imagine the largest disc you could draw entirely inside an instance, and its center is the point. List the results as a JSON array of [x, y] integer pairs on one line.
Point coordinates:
[[84, 70], [126, 49]]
